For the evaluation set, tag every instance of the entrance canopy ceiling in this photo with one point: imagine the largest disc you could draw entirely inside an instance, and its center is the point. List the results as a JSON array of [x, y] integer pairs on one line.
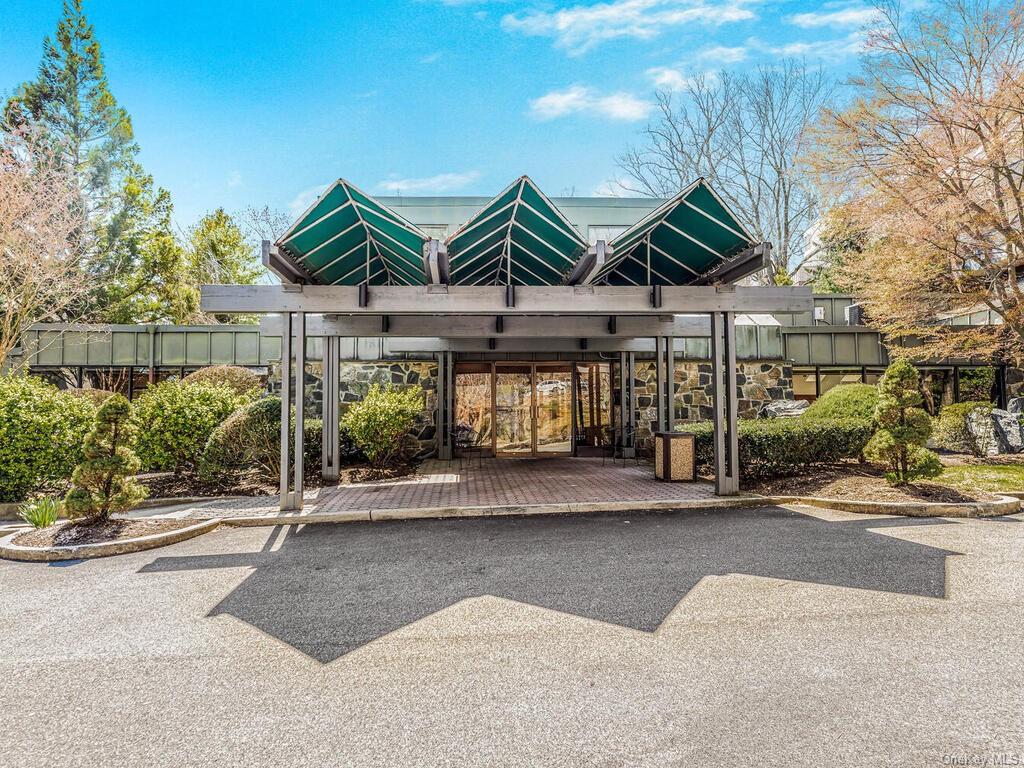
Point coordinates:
[[518, 238]]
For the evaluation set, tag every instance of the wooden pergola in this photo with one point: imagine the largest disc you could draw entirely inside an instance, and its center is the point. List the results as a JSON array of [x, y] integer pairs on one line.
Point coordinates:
[[515, 277]]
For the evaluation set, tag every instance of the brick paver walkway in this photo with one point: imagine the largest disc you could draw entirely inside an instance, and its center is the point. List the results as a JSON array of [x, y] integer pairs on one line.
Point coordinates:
[[492, 482]]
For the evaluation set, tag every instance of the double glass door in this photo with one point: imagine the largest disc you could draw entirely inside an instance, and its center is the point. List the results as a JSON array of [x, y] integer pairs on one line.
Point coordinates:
[[532, 409]]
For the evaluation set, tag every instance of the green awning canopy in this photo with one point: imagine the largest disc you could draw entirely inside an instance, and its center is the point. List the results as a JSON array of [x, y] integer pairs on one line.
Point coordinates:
[[348, 238], [676, 244], [518, 238]]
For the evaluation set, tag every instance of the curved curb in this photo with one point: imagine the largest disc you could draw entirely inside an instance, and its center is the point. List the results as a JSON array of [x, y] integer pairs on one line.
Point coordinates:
[[11, 551], [9, 512], [1004, 505]]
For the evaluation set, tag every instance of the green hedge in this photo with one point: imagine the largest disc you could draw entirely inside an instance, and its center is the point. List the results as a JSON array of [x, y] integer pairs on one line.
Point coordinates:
[[777, 447], [41, 434], [847, 401], [241, 380], [175, 420]]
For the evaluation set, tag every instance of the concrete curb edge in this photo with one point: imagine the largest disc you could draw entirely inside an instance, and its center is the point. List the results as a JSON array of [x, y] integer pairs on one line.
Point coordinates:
[[11, 551]]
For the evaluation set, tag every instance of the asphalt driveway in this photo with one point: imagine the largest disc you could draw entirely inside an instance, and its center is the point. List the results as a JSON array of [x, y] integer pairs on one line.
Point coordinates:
[[762, 636]]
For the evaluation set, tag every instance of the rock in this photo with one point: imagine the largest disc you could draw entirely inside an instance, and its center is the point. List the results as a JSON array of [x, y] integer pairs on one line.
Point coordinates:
[[1016, 405], [980, 425], [784, 408], [1008, 431]]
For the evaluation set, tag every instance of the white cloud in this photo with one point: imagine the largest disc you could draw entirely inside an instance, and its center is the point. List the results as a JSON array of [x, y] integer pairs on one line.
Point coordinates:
[[235, 179], [431, 58], [836, 15], [826, 50], [613, 188], [583, 99], [579, 28], [442, 182], [668, 78], [723, 54]]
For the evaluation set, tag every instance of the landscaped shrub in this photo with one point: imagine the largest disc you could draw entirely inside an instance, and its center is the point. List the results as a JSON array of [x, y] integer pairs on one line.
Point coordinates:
[[41, 513], [848, 401], [903, 427], [951, 429], [175, 420], [96, 396], [250, 438], [104, 482], [241, 380], [380, 423], [41, 434], [778, 447]]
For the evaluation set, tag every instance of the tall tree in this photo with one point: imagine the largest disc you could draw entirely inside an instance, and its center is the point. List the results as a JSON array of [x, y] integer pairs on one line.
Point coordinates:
[[219, 252], [745, 134], [71, 99], [41, 279], [927, 162]]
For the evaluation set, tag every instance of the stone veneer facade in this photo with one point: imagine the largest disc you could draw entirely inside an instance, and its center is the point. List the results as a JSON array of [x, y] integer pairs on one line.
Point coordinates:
[[759, 382]]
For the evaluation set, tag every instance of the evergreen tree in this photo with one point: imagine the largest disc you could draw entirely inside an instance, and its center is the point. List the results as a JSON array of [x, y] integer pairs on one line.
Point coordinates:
[[219, 252], [103, 484], [903, 427]]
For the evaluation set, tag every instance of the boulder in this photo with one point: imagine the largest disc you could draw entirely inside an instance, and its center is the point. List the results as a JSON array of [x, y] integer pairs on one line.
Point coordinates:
[[1008, 431], [1016, 405], [982, 428], [777, 409]]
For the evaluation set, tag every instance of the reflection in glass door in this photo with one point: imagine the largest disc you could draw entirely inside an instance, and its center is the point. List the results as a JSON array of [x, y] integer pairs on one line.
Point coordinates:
[[554, 409], [513, 409]]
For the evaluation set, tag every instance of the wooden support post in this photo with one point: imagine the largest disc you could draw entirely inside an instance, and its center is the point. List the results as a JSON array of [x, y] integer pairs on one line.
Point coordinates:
[[659, 381], [300, 410], [286, 386], [670, 384], [731, 407], [717, 376], [629, 450], [331, 459], [441, 420]]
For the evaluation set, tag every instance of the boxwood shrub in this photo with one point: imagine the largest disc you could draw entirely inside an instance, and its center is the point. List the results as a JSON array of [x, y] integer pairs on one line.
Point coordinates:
[[777, 447], [241, 380], [41, 434], [175, 419], [847, 401], [250, 438]]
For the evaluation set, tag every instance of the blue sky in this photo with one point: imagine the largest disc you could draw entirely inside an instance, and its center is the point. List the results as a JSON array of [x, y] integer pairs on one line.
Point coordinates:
[[253, 102]]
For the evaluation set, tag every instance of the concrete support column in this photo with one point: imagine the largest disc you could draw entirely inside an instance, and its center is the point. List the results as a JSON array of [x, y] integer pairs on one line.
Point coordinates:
[[726, 435]]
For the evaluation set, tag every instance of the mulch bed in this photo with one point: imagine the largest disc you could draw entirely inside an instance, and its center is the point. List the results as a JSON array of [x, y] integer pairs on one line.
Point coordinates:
[[69, 534], [171, 485], [856, 483]]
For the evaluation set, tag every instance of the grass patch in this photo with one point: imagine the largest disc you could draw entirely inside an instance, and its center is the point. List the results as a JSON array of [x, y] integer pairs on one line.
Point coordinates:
[[984, 477]]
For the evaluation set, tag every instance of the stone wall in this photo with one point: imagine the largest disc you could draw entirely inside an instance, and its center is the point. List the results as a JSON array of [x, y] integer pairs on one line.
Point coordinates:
[[355, 380], [758, 381]]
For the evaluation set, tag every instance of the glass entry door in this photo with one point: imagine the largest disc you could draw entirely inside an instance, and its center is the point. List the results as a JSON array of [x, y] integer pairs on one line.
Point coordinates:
[[532, 409], [513, 410]]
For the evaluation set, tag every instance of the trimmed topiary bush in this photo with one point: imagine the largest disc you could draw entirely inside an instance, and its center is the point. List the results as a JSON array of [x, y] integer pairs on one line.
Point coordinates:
[[847, 401], [104, 482], [175, 420], [41, 434], [952, 432], [250, 438], [380, 423], [241, 380], [96, 396], [903, 427], [779, 447]]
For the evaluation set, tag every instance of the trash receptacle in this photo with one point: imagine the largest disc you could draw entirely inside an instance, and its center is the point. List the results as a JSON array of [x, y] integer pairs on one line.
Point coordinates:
[[675, 456]]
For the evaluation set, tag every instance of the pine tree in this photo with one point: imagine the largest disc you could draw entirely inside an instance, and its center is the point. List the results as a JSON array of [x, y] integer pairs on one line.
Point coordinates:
[[103, 484], [903, 427]]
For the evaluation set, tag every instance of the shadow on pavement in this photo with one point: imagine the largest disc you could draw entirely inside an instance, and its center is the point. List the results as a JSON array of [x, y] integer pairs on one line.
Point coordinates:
[[328, 589]]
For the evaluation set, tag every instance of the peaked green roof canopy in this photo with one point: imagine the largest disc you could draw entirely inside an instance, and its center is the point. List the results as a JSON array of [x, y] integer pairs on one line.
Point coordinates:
[[346, 238], [676, 244], [518, 238]]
